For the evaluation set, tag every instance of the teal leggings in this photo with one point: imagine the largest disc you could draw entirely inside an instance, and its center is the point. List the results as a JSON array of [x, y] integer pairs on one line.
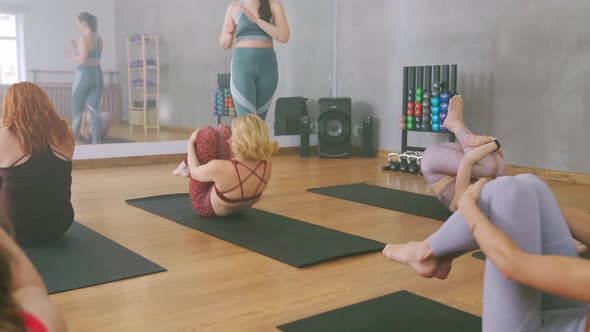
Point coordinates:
[[87, 91], [254, 79]]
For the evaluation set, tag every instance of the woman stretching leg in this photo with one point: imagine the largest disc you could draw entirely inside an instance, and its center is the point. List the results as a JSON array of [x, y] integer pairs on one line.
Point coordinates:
[[534, 280], [448, 168]]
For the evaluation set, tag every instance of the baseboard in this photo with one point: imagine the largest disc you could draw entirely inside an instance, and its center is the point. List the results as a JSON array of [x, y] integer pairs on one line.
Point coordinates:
[[157, 159], [545, 174], [127, 161], [551, 175]]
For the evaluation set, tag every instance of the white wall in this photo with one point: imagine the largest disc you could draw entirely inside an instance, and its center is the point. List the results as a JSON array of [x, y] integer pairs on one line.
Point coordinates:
[[49, 25]]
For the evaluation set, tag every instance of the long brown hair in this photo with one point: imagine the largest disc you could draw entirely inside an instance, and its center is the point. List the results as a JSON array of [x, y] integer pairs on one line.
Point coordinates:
[[264, 10], [90, 20], [28, 113], [10, 317]]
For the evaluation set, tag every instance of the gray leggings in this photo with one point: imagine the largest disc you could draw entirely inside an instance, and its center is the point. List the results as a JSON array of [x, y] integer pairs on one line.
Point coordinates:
[[525, 209], [87, 91], [441, 160]]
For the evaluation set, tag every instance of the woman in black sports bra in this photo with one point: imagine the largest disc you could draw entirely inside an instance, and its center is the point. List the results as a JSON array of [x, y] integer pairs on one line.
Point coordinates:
[[36, 149]]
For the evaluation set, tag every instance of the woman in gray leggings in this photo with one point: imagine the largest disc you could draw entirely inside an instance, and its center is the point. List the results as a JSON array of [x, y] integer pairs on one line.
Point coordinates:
[[449, 167], [534, 279], [89, 83]]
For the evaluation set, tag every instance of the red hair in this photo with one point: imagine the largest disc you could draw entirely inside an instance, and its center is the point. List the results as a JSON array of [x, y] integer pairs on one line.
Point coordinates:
[[28, 113]]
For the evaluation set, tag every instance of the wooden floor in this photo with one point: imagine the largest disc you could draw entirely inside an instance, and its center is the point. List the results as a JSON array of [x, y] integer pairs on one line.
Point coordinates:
[[212, 285]]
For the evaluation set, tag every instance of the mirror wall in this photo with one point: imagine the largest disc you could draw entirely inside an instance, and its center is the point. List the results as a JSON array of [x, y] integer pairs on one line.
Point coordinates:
[[174, 92]]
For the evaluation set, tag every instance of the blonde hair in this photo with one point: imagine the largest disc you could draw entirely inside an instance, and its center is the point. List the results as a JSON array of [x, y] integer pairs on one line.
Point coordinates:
[[250, 139]]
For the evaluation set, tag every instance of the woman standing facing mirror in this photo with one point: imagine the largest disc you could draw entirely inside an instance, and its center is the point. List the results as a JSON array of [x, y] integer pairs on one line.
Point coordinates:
[[88, 85], [254, 25]]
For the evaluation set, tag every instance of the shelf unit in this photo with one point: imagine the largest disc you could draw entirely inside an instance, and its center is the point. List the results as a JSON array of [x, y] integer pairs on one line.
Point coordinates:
[[420, 77], [223, 82], [143, 49]]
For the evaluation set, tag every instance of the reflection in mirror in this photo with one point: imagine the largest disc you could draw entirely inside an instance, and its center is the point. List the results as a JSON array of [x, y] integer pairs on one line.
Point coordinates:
[[143, 70]]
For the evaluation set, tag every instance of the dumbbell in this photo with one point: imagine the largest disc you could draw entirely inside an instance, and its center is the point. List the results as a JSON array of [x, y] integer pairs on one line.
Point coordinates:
[[403, 163], [410, 122], [404, 160], [394, 165], [414, 164]]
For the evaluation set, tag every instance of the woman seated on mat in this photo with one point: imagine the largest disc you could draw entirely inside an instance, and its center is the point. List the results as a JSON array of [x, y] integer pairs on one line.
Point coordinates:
[[36, 147], [24, 303], [534, 279], [448, 168], [221, 185]]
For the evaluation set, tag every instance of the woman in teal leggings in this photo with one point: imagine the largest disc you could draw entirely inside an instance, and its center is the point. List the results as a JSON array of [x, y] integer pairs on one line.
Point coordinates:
[[254, 24], [88, 85]]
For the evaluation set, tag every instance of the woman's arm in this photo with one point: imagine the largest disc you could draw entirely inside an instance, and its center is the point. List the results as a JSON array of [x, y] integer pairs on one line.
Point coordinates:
[[464, 173], [226, 39], [563, 276], [82, 56], [28, 289], [280, 29], [201, 173], [578, 222]]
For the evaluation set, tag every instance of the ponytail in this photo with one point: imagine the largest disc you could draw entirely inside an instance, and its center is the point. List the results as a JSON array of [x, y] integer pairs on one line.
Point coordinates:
[[90, 20], [264, 10]]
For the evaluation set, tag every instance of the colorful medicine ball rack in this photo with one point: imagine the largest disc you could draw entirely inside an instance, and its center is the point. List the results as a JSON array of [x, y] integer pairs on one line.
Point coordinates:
[[427, 97], [224, 103]]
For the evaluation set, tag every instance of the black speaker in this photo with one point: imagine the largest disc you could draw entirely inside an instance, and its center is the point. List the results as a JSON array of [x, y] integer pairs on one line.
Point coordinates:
[[304, 134], [368, 149], [335, 128], [288, 112]]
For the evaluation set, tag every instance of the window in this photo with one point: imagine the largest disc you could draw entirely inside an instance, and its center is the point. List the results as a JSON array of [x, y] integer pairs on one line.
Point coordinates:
[[10, 66]]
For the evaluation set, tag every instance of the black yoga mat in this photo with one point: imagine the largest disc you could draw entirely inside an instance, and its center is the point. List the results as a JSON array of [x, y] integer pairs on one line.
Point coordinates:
[[397, 312], [391, 199], [287, 240], [83, 258], [481, 256]]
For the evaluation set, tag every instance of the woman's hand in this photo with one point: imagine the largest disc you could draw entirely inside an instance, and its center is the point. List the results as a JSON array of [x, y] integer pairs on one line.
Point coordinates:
[[471, 195], [71, 54], [230, 28], [74, 44], [476, 141], [249, 14]]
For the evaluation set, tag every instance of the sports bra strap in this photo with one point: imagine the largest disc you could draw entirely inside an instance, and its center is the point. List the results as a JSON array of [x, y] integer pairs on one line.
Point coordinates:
[[19, 159], [252, 173], [61, 154], [240, 180], [261, 178]]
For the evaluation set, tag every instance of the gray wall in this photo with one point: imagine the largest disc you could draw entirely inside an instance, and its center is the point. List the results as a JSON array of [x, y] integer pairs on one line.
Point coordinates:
[[524, 69], [191, 57]]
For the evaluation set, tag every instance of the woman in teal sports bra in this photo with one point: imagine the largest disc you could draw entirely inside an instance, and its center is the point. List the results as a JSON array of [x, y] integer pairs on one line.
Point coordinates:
[[254, 24], [88, 85]]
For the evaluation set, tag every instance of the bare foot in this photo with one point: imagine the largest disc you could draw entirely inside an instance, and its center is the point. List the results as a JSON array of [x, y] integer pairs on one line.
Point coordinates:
[[580, 247], [417, 255], [181, 170], [454, 120]]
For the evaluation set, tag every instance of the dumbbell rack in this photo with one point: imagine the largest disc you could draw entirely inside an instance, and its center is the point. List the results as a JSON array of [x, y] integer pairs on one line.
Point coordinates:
[[223, 81], [423, 77]]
